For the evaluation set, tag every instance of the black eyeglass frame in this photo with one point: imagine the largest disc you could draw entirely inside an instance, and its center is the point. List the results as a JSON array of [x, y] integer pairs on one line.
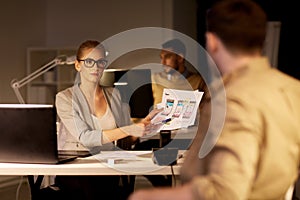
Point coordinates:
[[102, 66]]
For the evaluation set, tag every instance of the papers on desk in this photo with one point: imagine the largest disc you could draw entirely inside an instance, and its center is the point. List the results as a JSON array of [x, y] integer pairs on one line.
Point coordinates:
[[180, 109], [115, 155]]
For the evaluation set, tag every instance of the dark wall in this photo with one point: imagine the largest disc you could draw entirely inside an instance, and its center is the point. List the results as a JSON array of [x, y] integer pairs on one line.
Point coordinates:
[[277, 10]]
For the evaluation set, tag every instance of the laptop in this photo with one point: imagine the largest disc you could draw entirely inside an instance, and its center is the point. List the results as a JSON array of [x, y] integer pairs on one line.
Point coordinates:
[[28, 134]]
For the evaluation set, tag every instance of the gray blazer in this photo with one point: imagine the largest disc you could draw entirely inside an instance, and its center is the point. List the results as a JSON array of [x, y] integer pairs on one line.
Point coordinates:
[[77, 129]]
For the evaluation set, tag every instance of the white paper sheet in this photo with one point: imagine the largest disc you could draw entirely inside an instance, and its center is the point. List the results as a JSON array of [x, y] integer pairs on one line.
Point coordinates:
[[180, 106]]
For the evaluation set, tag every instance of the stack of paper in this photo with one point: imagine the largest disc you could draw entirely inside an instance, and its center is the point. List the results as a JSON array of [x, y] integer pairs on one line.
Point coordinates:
[[179, 109]]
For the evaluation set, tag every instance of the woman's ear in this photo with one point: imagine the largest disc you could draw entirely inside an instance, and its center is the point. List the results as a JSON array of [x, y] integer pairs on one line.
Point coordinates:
[[77, 66]]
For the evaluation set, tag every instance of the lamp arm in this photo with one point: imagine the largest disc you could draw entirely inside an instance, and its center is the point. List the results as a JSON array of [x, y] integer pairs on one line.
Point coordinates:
[[19, 96], [15, 84]]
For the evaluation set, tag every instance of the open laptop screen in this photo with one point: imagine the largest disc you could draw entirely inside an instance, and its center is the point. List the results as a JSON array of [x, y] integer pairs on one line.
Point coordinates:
[[28, 133]]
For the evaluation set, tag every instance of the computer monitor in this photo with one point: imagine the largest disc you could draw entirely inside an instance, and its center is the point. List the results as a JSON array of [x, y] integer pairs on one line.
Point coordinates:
[[134, 86]]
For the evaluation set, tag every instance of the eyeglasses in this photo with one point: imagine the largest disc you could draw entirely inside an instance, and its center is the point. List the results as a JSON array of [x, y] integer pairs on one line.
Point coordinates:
[[89, 62]]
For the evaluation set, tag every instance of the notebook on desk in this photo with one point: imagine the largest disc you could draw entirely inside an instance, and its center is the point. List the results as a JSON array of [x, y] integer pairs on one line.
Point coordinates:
[[28, 134]]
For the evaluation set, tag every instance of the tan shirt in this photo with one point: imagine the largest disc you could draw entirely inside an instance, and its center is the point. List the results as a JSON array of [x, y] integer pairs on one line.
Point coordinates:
[[257, 153], [162, 80]]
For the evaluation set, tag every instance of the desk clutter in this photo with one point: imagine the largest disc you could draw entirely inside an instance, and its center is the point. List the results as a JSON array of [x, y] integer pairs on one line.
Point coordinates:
[[159, 156], [165, 156]]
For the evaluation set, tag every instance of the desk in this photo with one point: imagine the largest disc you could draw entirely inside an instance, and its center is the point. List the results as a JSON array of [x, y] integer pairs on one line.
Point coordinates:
[[139, 165], [92, 166]]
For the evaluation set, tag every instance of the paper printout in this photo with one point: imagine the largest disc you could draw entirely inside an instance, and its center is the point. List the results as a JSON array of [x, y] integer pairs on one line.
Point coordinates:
[[180, 109]]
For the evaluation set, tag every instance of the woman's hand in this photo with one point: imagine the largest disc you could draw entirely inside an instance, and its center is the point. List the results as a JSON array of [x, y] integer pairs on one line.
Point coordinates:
[[137, 129], [149, 117], [142, 128]]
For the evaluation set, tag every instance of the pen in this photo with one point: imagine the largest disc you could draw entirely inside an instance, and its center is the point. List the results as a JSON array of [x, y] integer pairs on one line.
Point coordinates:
[[163, 121]]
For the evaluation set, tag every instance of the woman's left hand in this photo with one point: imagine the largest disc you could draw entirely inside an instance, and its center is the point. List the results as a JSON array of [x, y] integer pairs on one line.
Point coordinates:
[[149, 117]]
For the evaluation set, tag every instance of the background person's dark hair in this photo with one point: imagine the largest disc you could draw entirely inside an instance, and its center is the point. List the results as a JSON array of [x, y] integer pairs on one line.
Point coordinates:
[[176, 45], [240, 24]]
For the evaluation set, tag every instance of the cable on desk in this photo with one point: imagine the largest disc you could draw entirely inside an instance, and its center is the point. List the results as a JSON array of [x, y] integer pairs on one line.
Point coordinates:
[[172, 170], [19, 187], [173, 175]]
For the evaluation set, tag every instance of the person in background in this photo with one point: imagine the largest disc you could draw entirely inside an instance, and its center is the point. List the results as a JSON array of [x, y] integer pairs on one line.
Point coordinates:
[[175, 74], [257, 153], [93, 117]]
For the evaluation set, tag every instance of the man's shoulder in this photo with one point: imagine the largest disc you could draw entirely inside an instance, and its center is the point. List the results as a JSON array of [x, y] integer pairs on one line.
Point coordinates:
[[193, 74], [157, 76], [195, 77]]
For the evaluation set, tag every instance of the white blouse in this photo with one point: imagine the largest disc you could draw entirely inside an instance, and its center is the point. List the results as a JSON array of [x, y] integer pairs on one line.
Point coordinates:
[[106, 122]]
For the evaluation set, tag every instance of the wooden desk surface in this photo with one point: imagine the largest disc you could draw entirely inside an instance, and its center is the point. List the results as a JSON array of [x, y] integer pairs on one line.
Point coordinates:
[[141, 164]]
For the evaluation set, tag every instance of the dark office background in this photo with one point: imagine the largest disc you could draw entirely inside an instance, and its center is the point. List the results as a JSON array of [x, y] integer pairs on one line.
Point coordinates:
[[52, 24], [277, 10]]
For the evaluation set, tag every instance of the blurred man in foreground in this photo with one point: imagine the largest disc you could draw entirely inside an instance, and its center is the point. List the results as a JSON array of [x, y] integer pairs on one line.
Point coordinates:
[[257, 153]]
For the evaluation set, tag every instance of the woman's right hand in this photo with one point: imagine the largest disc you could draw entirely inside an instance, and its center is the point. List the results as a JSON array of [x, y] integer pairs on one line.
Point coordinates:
[[143, 128], [149, 117]]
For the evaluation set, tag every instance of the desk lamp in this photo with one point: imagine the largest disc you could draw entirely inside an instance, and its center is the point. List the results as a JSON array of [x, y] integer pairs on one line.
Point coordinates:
[[59, 60]]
